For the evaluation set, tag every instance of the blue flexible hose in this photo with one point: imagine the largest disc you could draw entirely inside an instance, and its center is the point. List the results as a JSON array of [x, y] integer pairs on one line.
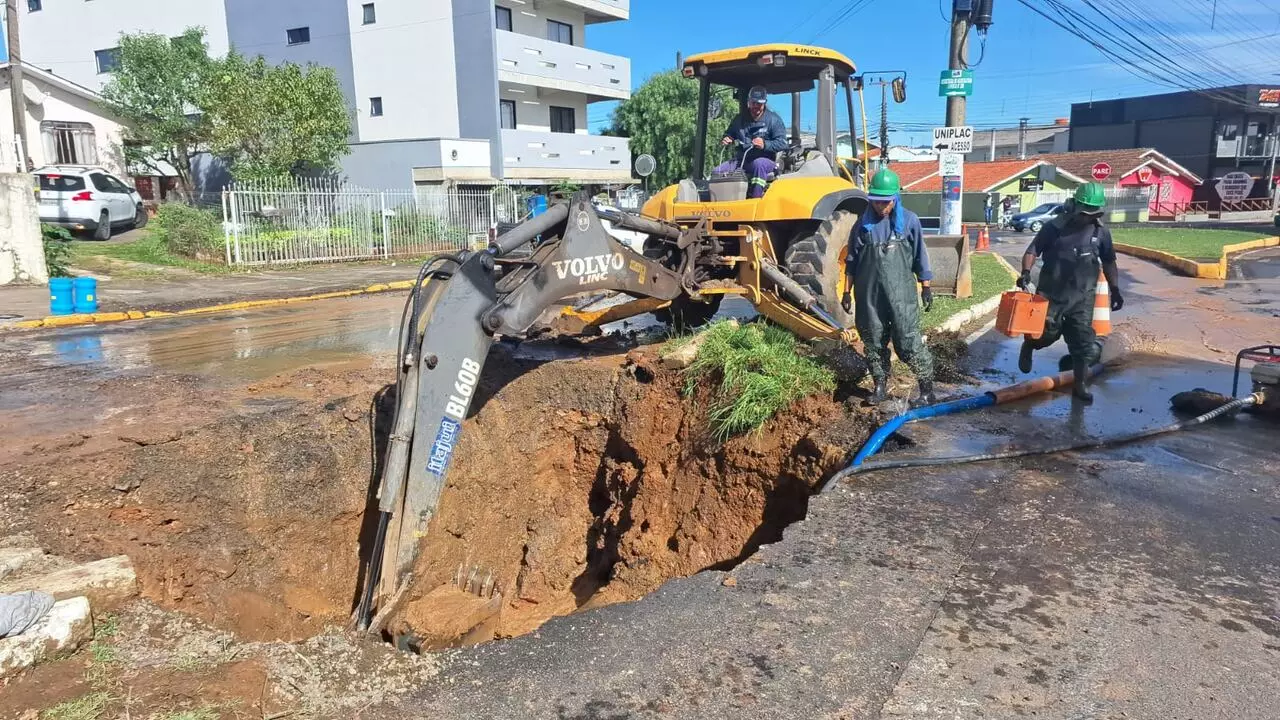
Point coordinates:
[[878, 438]]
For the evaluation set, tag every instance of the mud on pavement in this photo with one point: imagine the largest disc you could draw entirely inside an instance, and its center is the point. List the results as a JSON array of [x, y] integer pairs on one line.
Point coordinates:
[[577, 483]]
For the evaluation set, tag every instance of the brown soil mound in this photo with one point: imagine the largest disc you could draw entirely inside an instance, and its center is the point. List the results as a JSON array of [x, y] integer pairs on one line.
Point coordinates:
[[593, 481]]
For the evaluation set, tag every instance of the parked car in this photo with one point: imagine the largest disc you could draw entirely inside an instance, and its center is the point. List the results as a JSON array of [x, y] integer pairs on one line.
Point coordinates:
[[88, 199], [1035, 218]]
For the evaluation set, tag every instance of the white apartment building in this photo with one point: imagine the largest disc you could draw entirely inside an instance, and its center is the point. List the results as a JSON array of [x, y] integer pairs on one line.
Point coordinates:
[[441, 91]]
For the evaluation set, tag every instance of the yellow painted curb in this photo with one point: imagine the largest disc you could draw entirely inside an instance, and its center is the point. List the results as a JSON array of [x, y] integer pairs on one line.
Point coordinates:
[[1190, 268], [91, 318], [1229, 250]]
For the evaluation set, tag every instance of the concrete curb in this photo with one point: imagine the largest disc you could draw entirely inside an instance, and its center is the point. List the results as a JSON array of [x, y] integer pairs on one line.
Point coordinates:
[[110, 317], [968, 315], [1191, 268]]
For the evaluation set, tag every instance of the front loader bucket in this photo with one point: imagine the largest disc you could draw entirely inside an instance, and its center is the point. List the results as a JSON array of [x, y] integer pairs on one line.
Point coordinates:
[[952, 270]]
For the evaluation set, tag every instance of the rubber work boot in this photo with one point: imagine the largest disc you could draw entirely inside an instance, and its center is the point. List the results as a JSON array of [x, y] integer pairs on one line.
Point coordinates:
[[880, 393], [1024, 356], [926, 395], [1080, 387]]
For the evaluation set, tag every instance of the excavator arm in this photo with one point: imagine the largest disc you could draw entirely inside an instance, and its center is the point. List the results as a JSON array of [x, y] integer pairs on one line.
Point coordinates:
[[458, 306]]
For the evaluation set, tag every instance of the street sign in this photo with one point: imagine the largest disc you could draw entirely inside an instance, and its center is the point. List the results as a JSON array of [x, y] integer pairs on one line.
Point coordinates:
[[951, 164], [1234, 186], [1101, 171], [953, 139], [955, 83]]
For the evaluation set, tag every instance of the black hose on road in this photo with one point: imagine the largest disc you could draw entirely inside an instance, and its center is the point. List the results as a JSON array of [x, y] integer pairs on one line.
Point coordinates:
[[1231, 407]]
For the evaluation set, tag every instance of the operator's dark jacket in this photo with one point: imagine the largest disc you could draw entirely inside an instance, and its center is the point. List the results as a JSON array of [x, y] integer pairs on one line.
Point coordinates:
[[769, 126]]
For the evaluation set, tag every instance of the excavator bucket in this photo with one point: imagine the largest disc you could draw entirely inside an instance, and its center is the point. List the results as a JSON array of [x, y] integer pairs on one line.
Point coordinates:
[[952, 269]]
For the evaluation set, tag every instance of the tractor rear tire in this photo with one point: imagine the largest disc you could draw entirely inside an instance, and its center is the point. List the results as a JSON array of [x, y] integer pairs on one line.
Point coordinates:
[[817, 262], [685, 314]]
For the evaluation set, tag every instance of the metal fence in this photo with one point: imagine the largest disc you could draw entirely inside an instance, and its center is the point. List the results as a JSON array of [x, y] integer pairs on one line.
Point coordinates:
[[301, 221]]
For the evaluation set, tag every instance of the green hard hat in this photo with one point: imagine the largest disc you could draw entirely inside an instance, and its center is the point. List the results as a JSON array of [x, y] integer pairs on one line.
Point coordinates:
[[884, 185], [1091, 194]]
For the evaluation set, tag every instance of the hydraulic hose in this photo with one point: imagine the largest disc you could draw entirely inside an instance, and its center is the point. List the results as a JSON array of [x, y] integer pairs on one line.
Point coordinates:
[[1230, 407], [987, 399]]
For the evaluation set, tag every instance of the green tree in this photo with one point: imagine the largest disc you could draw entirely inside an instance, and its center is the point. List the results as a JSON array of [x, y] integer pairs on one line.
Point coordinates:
[[273, 120], [157, 89], [661, 118]]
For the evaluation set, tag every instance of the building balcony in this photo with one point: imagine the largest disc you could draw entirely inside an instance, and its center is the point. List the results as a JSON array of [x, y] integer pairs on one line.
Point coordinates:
[[529, 60], [534, 155], [598, 11]]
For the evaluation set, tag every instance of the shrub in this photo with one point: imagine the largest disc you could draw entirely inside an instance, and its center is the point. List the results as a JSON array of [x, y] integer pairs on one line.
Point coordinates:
[[57, 250], [189, 231]]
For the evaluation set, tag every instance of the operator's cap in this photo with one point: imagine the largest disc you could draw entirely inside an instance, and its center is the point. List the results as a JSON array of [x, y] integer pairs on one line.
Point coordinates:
[[758, 94]]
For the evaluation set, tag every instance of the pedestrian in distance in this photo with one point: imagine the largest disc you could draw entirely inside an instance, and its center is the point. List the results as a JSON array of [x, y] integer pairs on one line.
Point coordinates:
[[1073, 245], [886, 255], [760, 135], [988, 206]]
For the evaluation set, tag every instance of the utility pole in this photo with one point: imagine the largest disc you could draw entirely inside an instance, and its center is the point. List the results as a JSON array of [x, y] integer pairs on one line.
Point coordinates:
[[1022, 138], [17, 99], [884, 124], [958, 58]]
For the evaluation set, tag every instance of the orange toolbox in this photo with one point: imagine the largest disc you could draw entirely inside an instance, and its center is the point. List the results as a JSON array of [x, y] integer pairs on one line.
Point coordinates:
[[1022, 313]]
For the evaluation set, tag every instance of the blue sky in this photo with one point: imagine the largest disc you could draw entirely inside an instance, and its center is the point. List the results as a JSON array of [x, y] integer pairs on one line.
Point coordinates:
[[1031, 67]]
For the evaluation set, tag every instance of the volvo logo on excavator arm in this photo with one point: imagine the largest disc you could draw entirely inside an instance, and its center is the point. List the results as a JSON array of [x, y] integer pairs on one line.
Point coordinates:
[[594, 268]]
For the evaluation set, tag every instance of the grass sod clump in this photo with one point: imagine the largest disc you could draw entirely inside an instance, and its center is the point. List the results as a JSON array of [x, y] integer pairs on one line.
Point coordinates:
[[1191, 243], [757, 370]]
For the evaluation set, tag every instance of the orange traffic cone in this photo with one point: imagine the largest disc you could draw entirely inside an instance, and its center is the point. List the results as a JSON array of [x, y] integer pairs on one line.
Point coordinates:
[[984, 239], [1102, 307]]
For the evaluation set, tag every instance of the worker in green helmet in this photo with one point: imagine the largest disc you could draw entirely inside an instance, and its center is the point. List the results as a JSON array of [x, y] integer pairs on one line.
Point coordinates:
[[886, 255], [1074, 245]]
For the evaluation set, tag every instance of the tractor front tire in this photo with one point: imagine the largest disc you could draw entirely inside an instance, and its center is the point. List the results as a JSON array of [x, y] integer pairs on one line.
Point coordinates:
[[817, 262]]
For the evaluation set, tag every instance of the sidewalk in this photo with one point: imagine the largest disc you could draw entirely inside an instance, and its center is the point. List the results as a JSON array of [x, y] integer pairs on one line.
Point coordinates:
[[181, 291]]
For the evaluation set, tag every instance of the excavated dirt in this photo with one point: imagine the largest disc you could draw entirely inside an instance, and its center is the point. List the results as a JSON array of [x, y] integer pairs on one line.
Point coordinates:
[[576, 482], [593, 481]]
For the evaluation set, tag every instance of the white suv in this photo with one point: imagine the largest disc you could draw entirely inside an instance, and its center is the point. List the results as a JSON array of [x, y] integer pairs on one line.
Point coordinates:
[[83, 198]]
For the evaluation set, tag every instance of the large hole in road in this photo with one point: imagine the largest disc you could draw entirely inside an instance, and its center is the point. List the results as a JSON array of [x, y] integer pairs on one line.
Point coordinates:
[[576, 483]]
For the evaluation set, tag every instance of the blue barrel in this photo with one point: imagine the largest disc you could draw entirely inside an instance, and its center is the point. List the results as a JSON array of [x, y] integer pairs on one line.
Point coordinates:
[[537, 205], [60, 302], [84, 293]]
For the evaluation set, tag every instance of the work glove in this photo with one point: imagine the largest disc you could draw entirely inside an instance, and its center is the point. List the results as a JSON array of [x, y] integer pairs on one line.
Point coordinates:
[[926, 297], [1117, 300], [1024, 280], [846, 302]]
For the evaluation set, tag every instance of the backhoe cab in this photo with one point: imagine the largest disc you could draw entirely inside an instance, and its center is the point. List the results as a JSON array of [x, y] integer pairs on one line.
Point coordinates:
[[810, 206]]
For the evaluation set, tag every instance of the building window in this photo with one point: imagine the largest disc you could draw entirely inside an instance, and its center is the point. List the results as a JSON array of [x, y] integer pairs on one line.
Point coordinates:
[[375, 107], [503, 16], [370, 14], [299, 36], [508, 114], [108, 60], [33, 6], [562, 120], [559, 32], [68, 143]]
